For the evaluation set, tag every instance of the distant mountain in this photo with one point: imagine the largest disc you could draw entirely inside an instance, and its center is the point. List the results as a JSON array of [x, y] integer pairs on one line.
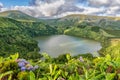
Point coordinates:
[[109, 23], [18, 28], [17, 15], [69, 20]]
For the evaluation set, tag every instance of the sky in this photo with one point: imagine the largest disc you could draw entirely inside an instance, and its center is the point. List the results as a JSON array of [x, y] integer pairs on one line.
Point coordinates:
[[59, 8]]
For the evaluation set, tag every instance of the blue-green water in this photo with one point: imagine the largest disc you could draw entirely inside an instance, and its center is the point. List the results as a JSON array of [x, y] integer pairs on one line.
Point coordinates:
[[60, 44]]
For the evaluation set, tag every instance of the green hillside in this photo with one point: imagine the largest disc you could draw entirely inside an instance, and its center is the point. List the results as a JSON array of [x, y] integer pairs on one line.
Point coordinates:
[[18, 15], [16, 36], [17, 31], [105, 22], [110, 25]]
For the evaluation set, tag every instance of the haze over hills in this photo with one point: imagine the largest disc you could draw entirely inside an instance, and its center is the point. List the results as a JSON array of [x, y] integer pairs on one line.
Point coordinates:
[[15, 14]]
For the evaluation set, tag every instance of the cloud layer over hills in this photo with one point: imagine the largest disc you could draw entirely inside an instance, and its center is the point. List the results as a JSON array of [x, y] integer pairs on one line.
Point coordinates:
[[58, 8]]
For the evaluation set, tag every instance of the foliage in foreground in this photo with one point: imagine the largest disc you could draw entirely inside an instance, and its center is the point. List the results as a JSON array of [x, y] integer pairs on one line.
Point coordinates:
[[100, 68]]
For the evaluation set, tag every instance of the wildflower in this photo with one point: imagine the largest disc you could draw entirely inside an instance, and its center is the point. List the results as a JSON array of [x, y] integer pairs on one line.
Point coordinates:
[[36, 67], [21, 64], [22, 60], [24, 65], [29, 67], [81, 59], [23, 68]]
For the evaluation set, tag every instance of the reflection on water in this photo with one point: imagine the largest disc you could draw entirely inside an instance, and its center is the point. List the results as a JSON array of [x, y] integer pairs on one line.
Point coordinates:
[[61, 44]]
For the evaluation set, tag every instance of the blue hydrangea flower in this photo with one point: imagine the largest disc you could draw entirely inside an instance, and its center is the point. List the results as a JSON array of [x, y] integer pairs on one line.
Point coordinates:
[[36, 67], [23, 60], [24, 65], [21, 64], [30, 68], [23, 68]]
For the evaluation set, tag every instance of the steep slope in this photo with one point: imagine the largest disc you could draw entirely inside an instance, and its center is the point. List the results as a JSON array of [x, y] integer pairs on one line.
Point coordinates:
[[110, 23], [111, 46], [17, 36], [18, 15]]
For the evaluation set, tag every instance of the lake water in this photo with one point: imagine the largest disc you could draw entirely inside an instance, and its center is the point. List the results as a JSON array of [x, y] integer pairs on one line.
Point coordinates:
[[60, 44]]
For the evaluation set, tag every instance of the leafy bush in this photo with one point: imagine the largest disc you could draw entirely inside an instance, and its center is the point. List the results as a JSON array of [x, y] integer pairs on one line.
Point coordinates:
[[100, 68]]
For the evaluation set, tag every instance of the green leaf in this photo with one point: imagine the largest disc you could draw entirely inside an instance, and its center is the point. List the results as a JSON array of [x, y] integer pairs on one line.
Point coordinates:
[[118, 76], [50, 66], [110, 76], [10, 77], [58, 73], [1, 59], [32, 76], [68, 56], [98, 77], [5, 74], [54, 70], [108, 57], [15, 56]]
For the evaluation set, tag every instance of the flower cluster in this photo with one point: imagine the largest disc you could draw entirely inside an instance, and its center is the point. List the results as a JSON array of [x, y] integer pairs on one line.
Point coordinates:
[[81, 59], [24, 65]]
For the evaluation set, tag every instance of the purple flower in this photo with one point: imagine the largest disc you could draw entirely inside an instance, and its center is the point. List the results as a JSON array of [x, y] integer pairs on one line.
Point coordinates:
[[23, 68], [36, 67], [21, 64], [81, 59], [23, 60], [30, 68], [24, 65]]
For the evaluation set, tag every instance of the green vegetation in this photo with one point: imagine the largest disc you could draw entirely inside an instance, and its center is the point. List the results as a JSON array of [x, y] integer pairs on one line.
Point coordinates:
[[17, 31], [18, 15], [82, 68], [111, 46], [86, 32], [16, 36]]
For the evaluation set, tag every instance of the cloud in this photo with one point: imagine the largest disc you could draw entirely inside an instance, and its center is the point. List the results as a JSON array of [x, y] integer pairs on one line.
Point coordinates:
[[54, 8], [47, 8], [39, 8], [113, 11], [1, 6], [99, 3], [102, 7], [105, 3]]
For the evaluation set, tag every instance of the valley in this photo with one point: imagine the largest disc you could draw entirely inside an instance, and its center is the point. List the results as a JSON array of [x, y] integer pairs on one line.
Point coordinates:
[[73, 44], [18, 29]]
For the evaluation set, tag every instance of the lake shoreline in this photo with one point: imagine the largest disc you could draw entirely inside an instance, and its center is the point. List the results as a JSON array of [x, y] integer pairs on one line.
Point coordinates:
[[73, 43]]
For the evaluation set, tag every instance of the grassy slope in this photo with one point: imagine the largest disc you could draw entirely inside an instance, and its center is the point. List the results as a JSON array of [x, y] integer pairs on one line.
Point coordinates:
[[108, 23], [64, 67], [18, 15], [16, 36], [71, 24], [71, 20]]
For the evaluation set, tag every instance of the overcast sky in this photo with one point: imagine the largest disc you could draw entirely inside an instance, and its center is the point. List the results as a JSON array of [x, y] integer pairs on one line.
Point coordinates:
[[58, 8]]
